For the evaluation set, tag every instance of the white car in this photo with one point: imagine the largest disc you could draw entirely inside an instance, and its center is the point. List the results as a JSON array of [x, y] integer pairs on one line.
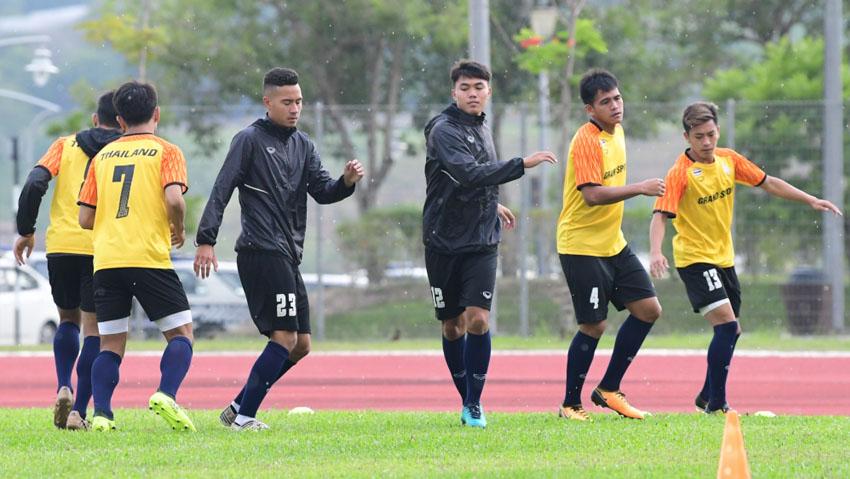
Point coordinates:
[[38, 317]]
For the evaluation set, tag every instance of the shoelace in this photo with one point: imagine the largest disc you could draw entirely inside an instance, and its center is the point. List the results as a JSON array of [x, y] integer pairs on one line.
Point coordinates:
[[475, 411]]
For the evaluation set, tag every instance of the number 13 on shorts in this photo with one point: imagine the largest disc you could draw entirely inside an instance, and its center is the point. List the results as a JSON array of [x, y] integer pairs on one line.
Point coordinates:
[[286, 305]]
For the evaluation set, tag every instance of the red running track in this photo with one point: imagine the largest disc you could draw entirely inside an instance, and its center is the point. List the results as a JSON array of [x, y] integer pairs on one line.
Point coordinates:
[[657, 381]]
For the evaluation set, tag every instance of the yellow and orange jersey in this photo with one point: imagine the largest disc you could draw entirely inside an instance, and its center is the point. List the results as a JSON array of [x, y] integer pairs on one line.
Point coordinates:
[[596, 157], [66, 162], [125, 183], [700, 198]]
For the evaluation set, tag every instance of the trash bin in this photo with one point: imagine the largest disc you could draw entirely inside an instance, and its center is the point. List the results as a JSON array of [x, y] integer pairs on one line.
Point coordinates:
[[808, 300]]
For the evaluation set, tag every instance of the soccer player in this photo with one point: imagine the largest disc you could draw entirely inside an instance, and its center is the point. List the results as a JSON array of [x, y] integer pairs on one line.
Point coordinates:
[[461, 226], [700, 199], [274, 166], [598, 264], [69, 256], [133, 200]]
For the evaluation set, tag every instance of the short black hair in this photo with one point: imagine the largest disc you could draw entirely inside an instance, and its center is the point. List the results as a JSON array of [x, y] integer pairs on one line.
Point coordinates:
[[469, 69], [698, 113], [280, 77], [135, 102], [106, 114], [595, 80]]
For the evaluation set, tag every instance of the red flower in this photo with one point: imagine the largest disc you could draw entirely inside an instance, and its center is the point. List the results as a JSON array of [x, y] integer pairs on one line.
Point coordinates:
[[531, 42]]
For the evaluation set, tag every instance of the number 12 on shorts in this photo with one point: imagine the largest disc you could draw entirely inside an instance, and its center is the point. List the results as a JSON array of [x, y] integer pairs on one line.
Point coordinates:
[[437, 296], [286, 305]]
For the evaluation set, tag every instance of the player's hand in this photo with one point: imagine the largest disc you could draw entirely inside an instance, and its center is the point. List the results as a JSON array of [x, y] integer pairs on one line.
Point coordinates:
[[204, 257], [352, 173], [658, 265], [506, 217], [177, 237], [653, 187], [824, 205], [23, 243], [539, 157]]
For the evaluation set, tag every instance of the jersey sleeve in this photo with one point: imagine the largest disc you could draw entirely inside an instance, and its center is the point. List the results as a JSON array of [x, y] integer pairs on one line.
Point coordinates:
[[88, 192], [52, 159], [747, 172], [174, 168], [587, 160], [676, 182]]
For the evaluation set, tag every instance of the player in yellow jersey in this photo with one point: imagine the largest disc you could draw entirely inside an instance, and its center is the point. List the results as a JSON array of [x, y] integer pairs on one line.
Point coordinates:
[[700, 199], [133, 200], [69, 257], [597, 262]]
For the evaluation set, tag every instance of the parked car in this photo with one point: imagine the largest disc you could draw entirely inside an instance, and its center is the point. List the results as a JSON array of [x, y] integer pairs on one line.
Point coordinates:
[[38, 317]]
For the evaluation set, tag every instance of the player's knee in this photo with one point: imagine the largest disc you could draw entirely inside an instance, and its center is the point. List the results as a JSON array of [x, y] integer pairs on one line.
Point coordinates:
[[454, 328], [652, 314], [299, 352], [594, 330], [477, 320]]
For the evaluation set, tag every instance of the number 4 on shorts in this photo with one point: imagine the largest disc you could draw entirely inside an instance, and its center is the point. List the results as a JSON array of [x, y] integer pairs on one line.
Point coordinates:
[[594, 297]]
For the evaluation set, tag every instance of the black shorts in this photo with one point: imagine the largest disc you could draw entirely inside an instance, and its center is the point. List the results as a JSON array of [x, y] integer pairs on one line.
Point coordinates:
[[708, 284], [594, 281], [159, 291], [461, 280], [71, 281], [277, 298]]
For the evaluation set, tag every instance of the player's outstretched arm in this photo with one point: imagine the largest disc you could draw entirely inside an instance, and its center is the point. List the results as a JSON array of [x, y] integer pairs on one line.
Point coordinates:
[[782, 189], [537, 158], [506, 216], [658, 265], [595, 195]]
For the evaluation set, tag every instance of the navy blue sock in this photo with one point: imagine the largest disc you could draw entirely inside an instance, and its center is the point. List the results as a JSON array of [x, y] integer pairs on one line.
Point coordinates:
[[263, 374], [174, 364], [453, 351], [705, 385], [66, 346], [719, 358], [477, 359], [287, 365], [626, 346], [579, 358], [104, 378], [91, 347]]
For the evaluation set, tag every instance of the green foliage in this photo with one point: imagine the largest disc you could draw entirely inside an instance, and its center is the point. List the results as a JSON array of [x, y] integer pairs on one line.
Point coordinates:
[[381, 235], [553, 54], [420, 444], [120, 27]]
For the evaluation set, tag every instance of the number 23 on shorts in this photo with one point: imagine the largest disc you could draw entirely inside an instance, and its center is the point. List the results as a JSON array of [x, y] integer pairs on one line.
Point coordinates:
[[286, 305]]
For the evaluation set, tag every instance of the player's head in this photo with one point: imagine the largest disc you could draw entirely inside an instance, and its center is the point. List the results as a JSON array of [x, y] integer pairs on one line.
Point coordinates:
[[600, 93], [106, 116], [470, 86], [282, 96], [135, 104], [701, 129]]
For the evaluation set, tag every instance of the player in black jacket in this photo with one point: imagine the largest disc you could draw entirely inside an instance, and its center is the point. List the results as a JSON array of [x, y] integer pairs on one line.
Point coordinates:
[[274, 166], [461, 227]]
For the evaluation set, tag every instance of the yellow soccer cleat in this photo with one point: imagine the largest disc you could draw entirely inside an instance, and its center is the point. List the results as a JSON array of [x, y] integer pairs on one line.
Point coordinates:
[[102, 424], [164, 406], [616, 401], [574, 413]]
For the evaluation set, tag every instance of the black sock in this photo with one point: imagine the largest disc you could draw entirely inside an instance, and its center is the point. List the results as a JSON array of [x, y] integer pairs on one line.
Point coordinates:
[[104, 379], [287, 365], [90, 350], [579, 357], [453, 352], [477, 358], [66, 347], [263, 374], [719, 358], [174, 364], [705, 385], [626, 346]]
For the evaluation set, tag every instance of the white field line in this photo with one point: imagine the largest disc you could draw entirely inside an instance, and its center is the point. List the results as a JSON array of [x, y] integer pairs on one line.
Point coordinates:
[[511, 352]]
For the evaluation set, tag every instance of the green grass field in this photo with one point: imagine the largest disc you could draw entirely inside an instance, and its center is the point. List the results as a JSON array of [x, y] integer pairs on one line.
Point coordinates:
[[382, 444]]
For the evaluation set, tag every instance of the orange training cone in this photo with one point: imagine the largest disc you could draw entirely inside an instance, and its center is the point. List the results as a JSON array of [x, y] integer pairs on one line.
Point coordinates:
[[733, 456]]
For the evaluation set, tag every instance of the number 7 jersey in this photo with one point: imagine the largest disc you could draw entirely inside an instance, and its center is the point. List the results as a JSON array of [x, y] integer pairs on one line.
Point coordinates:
[[125, 183]]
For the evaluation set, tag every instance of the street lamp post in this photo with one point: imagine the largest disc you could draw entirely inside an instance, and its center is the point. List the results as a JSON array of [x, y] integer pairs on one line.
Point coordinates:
[[543, 20]]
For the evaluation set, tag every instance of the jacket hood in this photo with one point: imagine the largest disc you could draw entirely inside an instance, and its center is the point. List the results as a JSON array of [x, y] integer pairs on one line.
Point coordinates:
[[92, 140]]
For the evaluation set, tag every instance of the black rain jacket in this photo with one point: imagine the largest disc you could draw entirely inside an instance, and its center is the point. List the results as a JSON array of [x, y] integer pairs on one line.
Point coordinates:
[[462, 177], [274, 168]]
